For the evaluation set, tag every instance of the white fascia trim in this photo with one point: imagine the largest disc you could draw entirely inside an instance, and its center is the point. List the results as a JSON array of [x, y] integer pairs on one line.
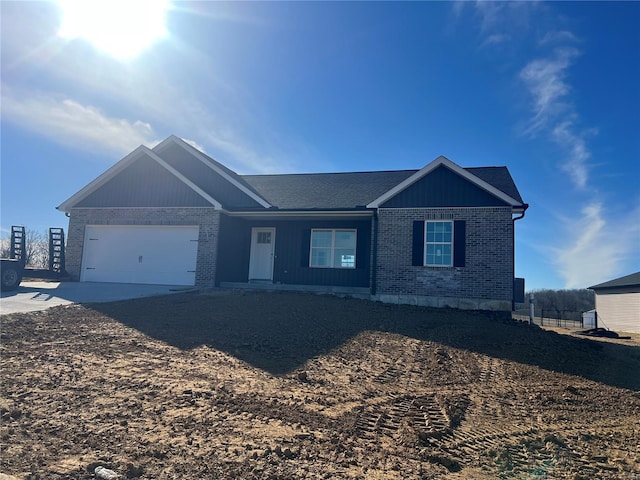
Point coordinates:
[[68, 204], [442, 160], [196, 153], [101, 180], [141, 208]]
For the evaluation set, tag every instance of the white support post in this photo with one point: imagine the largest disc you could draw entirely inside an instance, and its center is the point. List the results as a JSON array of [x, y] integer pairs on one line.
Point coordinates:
[[531, 308]]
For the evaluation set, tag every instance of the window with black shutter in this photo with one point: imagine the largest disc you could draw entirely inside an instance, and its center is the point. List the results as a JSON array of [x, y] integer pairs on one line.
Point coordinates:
[[438, 243]]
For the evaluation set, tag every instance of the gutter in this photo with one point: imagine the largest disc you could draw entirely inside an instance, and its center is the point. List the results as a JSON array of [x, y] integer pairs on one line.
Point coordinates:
[[525, 206], [374, 253]]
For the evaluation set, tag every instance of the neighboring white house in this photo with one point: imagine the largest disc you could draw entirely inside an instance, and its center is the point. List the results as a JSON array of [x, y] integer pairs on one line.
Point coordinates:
[[618, 303]]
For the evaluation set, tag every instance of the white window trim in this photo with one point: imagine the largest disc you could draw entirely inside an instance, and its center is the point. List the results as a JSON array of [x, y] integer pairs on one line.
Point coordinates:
[[425, 243], [333, 242]]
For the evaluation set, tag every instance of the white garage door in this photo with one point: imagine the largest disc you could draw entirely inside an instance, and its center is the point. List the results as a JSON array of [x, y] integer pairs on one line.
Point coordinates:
[[147, 254]]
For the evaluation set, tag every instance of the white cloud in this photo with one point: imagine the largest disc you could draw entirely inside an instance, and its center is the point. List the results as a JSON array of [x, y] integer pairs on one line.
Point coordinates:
[[513, 16], [553, 112], [598, 249], [495, 39], [248, 159], [491, 13], [555, 37], [70, 123], [592, 245], [576, 147], [222, 116], [545, 80], [195, 145], [457, 6]]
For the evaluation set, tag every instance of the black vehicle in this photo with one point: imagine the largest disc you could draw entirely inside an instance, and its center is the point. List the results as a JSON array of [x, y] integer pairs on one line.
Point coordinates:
[[13, 267], [11, 274]]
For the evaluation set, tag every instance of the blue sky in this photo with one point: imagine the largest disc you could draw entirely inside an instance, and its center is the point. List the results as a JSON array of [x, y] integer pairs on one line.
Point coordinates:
[[548, 89]]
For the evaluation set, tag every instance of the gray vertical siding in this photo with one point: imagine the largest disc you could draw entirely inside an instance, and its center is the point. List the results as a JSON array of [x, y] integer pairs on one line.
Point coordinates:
[[442, 188], [144, 183], [292, 253]]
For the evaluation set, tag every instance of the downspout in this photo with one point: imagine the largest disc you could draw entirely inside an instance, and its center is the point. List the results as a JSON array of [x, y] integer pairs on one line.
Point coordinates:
[[374, 256], [513, 255]]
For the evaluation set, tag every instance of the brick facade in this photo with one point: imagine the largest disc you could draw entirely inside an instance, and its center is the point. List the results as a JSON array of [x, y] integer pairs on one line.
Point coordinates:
[[208, 219], [486, 280]]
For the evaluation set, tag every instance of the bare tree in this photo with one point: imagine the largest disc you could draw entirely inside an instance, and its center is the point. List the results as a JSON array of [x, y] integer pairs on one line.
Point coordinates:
[[5, 249], [36, 248], [562, 303]]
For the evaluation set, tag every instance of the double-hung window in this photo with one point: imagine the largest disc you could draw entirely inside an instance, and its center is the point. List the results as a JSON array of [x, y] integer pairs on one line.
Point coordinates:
[[438, 243], [438, 246], [333, 248]]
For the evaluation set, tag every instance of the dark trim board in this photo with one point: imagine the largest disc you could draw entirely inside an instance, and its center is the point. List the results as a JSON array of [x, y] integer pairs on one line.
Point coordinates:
[[291, 262]]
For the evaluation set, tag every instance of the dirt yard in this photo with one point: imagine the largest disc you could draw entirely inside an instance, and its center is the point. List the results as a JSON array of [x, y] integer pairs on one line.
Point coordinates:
[[297, 386]]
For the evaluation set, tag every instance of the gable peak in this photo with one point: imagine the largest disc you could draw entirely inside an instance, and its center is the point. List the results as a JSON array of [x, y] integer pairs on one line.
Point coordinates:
[[454, 167]]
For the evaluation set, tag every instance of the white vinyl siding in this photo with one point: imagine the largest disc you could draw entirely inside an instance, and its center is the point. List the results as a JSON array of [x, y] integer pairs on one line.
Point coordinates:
[[619, 311]]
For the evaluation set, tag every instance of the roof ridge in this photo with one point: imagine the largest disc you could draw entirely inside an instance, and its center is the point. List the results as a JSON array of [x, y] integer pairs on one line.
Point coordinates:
[[486, 166], [353, 172], [327, 173]]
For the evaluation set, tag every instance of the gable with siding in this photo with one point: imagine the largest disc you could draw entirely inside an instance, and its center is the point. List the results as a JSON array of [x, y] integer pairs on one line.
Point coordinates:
[[205, 177], [143, 183], [443, 188]]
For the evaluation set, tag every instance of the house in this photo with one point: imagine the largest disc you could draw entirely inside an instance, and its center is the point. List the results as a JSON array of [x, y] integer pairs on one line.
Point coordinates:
[[618, 303], [440, 236]]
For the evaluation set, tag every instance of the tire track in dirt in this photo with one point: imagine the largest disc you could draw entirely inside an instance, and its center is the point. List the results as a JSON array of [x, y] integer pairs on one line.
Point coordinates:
[[80, 387], [420, 412], [498, 427], [482, 428]]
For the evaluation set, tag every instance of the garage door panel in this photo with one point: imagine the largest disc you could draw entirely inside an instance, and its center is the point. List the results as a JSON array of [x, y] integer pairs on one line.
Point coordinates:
[[150, 254]]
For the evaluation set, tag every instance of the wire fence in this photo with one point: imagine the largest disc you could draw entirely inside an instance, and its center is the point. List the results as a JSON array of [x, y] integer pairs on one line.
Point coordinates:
[[553, 318]]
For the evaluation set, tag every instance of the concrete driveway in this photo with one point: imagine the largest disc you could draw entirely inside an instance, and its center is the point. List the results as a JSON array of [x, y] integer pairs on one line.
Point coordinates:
[[34, 296]]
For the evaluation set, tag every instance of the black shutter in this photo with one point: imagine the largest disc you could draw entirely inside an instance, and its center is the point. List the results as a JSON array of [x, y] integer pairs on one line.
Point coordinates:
[[305, 248], [459, 243], [417, 258]]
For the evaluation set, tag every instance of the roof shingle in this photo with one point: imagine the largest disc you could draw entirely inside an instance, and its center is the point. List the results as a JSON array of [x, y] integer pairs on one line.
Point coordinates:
[[632, 280], [351, 189], [325, 190]]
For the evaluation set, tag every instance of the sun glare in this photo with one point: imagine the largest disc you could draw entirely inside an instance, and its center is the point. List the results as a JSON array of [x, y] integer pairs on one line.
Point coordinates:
[[121, 28]]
